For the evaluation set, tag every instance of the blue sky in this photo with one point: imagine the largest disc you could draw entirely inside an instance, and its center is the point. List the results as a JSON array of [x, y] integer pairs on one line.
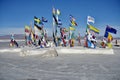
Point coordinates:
[[15, 14]]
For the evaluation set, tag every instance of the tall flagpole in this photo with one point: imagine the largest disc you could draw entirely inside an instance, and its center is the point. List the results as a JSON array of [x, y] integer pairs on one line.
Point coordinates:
[[53, 13]]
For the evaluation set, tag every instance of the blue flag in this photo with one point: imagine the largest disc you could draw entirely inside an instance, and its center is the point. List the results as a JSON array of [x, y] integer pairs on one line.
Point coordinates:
[[44, 19], [106, 34], [110, 29]]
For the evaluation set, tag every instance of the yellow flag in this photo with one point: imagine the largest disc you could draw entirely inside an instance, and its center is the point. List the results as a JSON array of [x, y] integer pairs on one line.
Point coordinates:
[[72, 28], [27, 27], [58, 12], [110, 38], [93, 28], [37, 21], [74, 23]]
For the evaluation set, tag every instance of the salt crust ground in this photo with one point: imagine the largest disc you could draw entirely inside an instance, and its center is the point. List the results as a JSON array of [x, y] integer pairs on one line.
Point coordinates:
[[62, 67]]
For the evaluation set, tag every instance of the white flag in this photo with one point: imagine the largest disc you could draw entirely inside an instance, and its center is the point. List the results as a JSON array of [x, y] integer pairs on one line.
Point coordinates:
[[90, 19]]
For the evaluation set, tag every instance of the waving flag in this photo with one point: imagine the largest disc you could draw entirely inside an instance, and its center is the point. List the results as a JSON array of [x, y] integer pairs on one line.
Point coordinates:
[[58, 12], [90, 19], [93, 29], [37, 30], [27, 29], [73, 23], [106, 34], [37, 20], [72, 28], [37, 27], [56, 22], [72, 20], [44, 19], [59, 23], [110, 29], [55, 19], [110, 38]]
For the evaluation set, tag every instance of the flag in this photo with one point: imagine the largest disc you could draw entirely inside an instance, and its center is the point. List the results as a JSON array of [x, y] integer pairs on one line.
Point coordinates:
[[72, 28], [106, 34], [110, 38], [37, 27], [93, 29], [33, 36], [55, 19], [58, 12], [37, 30], [59, 23], [44, 19], [37, 20], [72, 18], [73, 23], [110, 29], [90, 19], [27, 29]]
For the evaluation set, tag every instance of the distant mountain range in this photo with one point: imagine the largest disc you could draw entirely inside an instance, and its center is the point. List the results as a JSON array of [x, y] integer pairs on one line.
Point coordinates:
[[16, 36]]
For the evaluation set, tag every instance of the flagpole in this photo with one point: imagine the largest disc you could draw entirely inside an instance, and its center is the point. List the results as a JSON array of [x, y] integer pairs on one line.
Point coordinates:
[[69, 37], [85, 38], [53, 28]]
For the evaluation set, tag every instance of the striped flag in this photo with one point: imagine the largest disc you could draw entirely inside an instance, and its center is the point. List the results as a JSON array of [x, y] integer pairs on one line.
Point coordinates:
[[90, 19], [72, 20], [37, 29]]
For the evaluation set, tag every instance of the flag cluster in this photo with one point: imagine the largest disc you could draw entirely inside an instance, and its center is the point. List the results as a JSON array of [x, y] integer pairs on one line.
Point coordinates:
[[56, 13], [108, 31], [32, 35], [72, 23], [38, 24], [39, 21], [56, 23], [90, 27]]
